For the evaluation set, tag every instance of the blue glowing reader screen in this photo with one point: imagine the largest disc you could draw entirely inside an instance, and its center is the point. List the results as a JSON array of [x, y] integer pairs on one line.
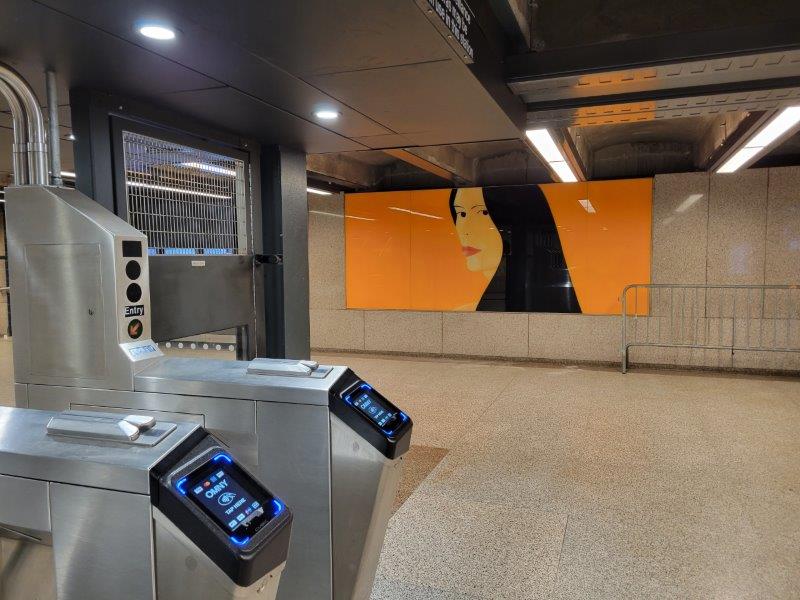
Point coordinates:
[[373, 407], [226, 499]]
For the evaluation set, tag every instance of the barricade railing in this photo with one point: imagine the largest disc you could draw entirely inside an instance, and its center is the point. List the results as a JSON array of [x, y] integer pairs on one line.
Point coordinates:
[[747, 318]]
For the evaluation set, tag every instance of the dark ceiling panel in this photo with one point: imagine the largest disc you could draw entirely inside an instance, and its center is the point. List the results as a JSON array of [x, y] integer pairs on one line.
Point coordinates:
[[33, 36], [241, 112], [316, 37], [260, 69], [204, 49], [452, 110]]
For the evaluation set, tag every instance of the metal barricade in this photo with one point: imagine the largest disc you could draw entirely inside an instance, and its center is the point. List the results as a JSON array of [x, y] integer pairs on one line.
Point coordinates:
[[747, 318]]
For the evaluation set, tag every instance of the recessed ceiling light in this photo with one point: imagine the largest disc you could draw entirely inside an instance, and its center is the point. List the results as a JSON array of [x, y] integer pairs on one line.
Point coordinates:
[[157, 32], [318, 191], [326, 114]]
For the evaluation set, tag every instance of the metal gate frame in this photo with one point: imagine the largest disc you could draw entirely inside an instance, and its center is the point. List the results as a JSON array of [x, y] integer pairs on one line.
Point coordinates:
[[761, 291]]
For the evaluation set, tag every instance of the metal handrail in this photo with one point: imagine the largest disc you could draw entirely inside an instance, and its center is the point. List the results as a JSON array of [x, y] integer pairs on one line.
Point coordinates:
[[689, 320]]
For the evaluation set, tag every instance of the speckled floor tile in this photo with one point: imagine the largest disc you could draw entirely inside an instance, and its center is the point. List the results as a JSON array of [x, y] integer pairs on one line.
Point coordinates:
[[386, 589], [418, 462], [652, 555], [495, 551]]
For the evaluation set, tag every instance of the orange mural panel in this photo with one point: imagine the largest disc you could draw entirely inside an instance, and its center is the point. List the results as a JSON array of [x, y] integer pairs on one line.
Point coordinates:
[[620, 232], [404, 251], [378, 250], [605, 230]]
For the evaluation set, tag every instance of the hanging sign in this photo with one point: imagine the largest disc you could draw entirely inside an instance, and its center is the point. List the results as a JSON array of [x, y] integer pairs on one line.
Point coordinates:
[[455, 20]]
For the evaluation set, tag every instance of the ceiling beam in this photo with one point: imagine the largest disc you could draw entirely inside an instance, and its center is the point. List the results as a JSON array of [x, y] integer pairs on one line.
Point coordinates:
[[654, 50], [343, 170], [443, 161], [515, 19]]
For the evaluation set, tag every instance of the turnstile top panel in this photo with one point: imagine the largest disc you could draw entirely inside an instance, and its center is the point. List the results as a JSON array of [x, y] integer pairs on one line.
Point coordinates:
[[230, 379], [27, 451]]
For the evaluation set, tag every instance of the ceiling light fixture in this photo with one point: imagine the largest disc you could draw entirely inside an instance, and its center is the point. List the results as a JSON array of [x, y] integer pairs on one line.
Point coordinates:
[[547, 148], [785, 121], [327, 114], [71, 137], [154, 31], [68, 174], [318, 191]]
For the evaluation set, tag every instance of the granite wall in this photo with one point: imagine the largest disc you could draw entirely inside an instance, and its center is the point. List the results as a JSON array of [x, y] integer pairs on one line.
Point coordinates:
[[742, 228]]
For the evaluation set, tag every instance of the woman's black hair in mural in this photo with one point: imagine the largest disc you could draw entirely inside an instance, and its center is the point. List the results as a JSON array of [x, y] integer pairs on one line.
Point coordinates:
[[533, 274]]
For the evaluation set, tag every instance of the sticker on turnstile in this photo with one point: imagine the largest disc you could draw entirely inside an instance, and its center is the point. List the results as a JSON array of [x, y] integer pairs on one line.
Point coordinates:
[[135, 329], [141, 351], [136, 310]]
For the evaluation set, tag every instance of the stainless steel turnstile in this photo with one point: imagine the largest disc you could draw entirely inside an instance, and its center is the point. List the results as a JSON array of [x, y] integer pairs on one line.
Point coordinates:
[[99, 506], [329, 442]]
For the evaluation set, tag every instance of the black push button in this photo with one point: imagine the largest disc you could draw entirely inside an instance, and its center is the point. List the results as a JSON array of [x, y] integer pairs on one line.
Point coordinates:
[[134, 292], [133, 269]]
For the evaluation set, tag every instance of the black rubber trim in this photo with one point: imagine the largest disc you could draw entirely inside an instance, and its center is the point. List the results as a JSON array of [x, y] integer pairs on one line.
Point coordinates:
[[391, 446], [266, 549]]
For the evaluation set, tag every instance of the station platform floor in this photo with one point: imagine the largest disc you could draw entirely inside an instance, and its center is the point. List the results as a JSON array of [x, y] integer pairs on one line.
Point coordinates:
[[530, 481]]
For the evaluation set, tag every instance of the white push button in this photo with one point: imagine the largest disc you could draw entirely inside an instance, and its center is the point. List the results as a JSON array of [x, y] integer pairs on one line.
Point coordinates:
[[141, 422]]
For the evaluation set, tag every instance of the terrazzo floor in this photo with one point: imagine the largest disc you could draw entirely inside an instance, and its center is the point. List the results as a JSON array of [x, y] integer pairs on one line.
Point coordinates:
[[528, 481], [565, 482]]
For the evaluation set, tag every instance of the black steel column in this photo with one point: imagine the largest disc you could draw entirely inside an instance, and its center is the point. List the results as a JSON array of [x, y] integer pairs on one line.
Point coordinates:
[[284, 214]]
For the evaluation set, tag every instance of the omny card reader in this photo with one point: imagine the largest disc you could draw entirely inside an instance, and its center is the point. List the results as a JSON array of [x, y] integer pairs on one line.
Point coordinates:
[[108, 506]]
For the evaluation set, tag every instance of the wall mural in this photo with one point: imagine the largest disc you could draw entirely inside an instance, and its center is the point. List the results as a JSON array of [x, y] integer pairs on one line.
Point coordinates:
[[529, 248]]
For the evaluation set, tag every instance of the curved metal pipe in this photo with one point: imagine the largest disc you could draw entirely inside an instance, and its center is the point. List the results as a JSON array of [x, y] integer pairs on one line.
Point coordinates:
[[35, 138], [20, 153], [53, 138]]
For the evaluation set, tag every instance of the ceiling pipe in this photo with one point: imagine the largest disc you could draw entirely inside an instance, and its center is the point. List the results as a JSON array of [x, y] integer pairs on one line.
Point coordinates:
[[19, 152], [32, 138], [54, 146]]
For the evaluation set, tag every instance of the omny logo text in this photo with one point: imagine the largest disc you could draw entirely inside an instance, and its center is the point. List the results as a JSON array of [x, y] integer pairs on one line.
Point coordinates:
[[211, 492]]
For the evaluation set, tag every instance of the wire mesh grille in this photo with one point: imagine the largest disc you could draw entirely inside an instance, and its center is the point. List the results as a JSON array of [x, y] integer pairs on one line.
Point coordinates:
[[185, 200]]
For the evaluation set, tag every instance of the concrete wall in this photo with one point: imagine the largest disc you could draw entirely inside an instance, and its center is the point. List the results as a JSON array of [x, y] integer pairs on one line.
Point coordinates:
[[707, 229]]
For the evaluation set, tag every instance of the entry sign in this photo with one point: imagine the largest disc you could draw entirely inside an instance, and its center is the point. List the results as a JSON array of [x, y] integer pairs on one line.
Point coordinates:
[[457, 19], [136, 310]]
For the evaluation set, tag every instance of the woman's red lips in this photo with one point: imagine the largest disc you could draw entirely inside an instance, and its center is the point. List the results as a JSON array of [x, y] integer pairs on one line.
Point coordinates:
[[469, 250]]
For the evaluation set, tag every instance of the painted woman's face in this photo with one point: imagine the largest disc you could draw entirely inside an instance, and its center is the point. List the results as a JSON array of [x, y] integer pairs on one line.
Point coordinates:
[[481, 243]]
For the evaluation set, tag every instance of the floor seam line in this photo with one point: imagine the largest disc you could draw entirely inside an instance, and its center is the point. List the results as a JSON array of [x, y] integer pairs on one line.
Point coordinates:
[[464, 438], [561, 552]]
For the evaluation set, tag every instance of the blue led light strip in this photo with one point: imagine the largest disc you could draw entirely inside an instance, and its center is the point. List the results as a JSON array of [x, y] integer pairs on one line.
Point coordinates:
[[180, 484]]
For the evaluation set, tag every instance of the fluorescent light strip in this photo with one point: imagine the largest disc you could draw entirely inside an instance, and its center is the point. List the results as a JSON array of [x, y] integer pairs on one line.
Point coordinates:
[[783, 122], [547, 148], [413, 212], [318, 191], [163, 188], [69, 174], [209, 168]]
